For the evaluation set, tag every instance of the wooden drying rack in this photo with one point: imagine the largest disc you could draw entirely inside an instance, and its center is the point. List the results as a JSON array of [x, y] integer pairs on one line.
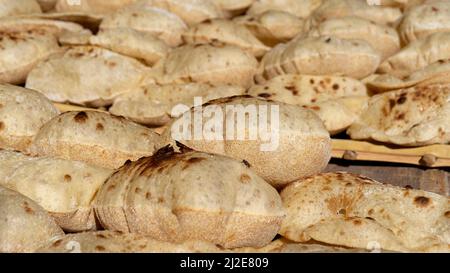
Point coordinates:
[[428, 156]]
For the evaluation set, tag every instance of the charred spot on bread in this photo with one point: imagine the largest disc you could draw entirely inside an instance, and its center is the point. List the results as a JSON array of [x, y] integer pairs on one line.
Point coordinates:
[[264, 95], [245, 178], [292, 88], [67, 178], [99, 127], [246, 163], [27, 208], [422, 201], [81, 117]]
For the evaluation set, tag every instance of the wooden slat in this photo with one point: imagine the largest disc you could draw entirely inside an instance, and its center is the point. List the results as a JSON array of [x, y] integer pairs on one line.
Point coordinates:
[[432, 180], [367, 151]]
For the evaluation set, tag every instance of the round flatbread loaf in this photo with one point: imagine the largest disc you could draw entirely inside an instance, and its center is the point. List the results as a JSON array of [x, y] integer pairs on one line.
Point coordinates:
[[191, 11], [360, 8], [273, 26], [21, 51], [290, 142], [355, 211], [306, 89], [161, 23], [215, 65], [423, 20], [222, 31], [18, 7], [90, 21], [132, 43], [26, 23], [65, 189], [118, 242], [339, 114], [418, 55], [325, 55], [86, 75], [153, 104], [415, 116], [175, 197], [435, 73], [302, 9], [94, 137], [382, 38], [22, 113], [338, 101], [24, 226]]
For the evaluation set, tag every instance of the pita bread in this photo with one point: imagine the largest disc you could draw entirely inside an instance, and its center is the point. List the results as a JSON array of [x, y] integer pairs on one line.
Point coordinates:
[[423, 20], [337, 115], [191, 11], [90, 21], [63, 188], [325, 55], [272, 27], [418, 55], [95, 138], [412, 117], [306, 89], [24, 226], [153, 104], [382, 38], [189, 196], [337, 100], [355, 211], [222, 31], [302, 9], [92, 6], [47, 5], [161, 23], [118, 242], [360, 8], [132, 43], [22, 113], [86, 75], [22, 24], [438, 72], [303, 143], [206, 64], [18, 7], [21, 51]]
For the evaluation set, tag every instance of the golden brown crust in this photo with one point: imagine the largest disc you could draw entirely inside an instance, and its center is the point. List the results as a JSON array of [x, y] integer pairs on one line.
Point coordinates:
[[356, 211], [97, 138], [201, 203]]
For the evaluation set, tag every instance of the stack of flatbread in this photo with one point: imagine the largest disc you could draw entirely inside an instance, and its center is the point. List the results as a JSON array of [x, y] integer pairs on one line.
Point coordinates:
[[204, 126]]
